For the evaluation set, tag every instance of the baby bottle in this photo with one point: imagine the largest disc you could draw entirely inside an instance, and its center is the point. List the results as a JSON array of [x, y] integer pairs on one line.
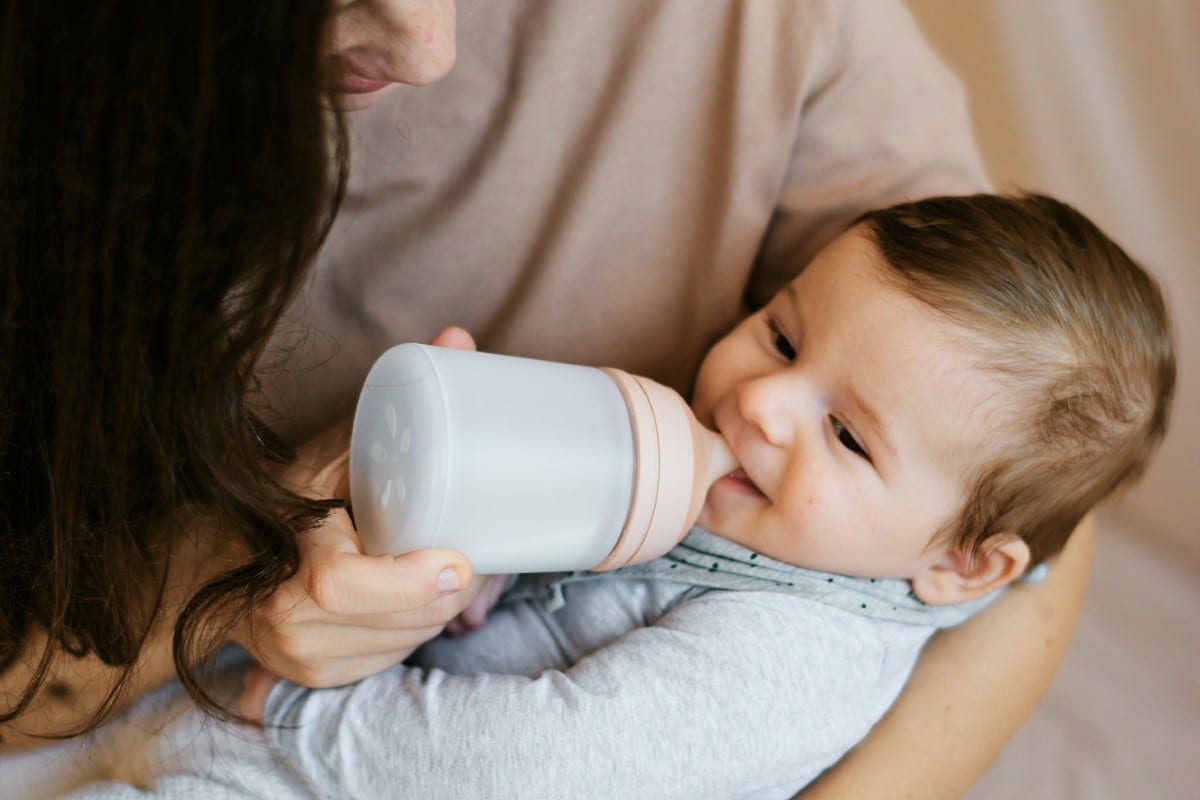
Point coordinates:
[[525, 465]]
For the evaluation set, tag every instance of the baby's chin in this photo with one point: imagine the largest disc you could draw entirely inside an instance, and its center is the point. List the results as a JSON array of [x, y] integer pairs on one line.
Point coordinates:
[[728, 500], [710, 516]]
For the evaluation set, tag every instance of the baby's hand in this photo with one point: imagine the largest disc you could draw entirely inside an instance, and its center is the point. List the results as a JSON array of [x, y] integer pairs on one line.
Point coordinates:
[[473, 617], [255, 687]]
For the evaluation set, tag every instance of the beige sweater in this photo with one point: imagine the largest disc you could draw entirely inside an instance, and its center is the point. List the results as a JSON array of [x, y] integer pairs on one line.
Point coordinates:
[[605, 182]]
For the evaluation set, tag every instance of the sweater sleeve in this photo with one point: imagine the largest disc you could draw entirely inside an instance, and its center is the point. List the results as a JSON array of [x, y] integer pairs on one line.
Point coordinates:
[[729, 694]]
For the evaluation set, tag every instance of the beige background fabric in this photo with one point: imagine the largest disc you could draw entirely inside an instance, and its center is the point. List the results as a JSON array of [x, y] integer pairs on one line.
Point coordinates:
[[1097, 102]]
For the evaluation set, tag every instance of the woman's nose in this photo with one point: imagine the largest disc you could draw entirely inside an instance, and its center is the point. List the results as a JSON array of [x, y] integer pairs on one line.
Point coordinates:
[[763, 402], [409, 42], [421, 55]]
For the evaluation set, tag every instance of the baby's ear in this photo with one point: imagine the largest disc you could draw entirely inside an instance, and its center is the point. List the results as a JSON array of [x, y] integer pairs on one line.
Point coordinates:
[[957, 579]]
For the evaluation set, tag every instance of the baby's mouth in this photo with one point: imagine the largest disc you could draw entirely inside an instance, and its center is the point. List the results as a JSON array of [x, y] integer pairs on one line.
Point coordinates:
[[742, 481]]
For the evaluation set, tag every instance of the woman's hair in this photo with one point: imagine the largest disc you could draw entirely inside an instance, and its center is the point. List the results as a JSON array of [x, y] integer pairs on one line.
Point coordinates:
[[165, 177], [1075, 330]]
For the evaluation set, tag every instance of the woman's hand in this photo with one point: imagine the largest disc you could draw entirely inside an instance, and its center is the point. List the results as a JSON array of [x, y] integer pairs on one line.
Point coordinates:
[[345, 615]]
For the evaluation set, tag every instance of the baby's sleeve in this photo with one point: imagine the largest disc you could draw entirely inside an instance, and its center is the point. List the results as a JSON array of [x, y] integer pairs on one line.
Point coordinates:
[[729, 694]]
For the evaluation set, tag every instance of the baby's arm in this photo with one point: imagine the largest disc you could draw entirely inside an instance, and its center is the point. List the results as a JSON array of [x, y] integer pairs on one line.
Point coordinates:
[[729, 693]]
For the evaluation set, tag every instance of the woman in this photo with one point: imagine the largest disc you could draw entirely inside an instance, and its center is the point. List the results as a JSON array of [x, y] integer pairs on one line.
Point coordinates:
[[164, 186], [193, 431]]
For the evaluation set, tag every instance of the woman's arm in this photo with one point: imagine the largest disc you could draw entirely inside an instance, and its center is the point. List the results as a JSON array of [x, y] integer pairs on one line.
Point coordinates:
[[971, 690], [77, 687], [74, 690]]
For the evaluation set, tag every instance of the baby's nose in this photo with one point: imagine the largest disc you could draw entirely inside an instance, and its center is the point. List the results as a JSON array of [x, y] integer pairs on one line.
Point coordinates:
[[763, 403]]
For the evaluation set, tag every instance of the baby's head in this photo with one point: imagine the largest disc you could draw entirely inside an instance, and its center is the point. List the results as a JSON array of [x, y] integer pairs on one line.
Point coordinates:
[[941, 395]]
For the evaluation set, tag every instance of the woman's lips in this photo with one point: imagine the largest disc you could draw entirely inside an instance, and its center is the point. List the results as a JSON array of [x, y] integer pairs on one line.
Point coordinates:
[[350, 83], [347, 74]]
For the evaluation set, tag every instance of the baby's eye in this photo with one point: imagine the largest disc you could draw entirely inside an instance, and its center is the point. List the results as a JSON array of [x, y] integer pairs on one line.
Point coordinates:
[[781, 343], [847, 439]]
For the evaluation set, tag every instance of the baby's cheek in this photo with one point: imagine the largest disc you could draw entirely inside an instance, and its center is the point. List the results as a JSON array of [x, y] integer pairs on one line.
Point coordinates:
[[842, 518], [704, 396]]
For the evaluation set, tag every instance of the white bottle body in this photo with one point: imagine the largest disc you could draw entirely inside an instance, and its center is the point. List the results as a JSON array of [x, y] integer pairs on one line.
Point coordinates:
[[522, 465]]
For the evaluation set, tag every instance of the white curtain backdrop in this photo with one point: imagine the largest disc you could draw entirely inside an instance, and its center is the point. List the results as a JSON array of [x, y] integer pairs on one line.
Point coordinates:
[[1098, 103]]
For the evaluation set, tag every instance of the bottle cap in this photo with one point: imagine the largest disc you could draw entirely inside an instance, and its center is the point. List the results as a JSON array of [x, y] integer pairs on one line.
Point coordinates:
[[677, 461]]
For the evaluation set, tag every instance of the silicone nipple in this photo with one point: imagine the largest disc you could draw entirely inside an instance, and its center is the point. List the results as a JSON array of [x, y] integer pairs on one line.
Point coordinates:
[[713, 461]]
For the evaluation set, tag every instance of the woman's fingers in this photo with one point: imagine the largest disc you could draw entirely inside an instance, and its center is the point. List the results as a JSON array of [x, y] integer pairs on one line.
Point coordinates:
[[342, 671], [353, 585], [345, 615], [455, 337], [341, 581], [328, 667], [308, 644]]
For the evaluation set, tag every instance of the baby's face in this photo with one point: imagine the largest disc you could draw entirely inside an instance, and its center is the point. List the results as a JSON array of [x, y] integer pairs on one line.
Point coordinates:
[[851, 408]]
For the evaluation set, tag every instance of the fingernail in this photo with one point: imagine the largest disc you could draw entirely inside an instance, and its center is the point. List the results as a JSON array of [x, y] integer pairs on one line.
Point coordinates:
[[448, 580]]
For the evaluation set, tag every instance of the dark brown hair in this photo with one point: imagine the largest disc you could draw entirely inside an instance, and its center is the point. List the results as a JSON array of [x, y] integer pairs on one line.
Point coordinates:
[[164, 180], [1070, 323]]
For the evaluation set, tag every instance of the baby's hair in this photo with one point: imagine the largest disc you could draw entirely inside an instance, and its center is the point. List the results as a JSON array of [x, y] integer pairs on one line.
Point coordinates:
[[1071, 325]]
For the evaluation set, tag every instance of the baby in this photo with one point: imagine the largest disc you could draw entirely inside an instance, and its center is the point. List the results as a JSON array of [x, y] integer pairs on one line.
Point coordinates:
[[929, 409]]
